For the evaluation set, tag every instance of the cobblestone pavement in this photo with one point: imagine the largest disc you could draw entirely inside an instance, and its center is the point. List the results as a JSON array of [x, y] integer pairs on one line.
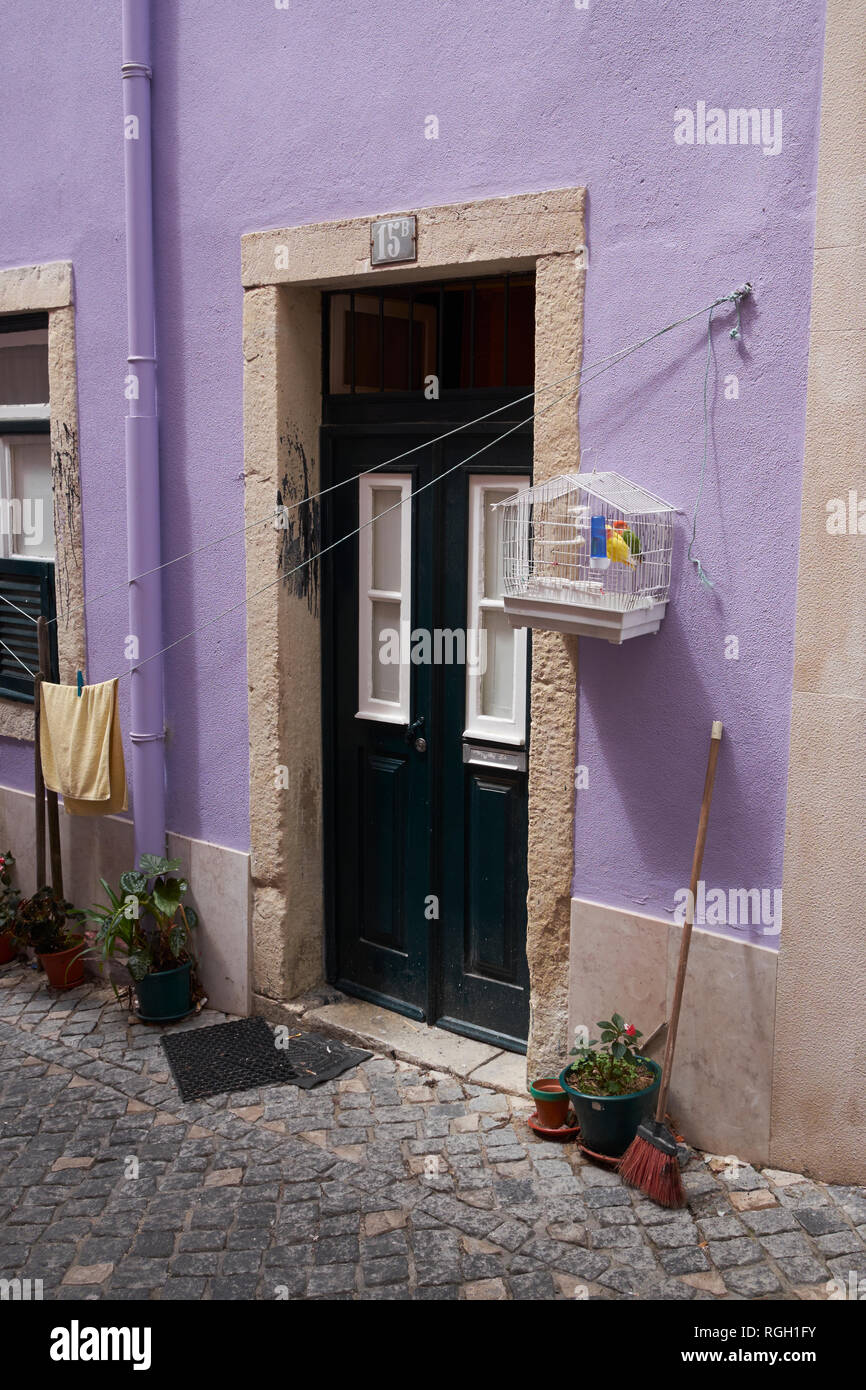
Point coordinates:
[[390, 1182]]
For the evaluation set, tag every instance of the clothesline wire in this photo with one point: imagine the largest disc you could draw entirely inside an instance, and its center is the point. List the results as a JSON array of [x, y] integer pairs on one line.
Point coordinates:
[[22, 611], [287, 574], [597, 369], [283, 574], [613, 358], [17, 657], [694, 559]]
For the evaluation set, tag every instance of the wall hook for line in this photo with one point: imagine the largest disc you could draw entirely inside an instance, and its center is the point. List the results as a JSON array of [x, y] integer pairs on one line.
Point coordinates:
[[80, 679]]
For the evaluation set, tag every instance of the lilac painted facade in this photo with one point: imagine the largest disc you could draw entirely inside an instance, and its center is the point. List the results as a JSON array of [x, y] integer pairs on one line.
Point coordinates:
[[270, 117]]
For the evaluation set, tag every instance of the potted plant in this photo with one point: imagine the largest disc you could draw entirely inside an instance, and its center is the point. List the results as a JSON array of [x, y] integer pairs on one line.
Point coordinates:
[[8, 904], [51, 926], [147, 923], [611, 1086]]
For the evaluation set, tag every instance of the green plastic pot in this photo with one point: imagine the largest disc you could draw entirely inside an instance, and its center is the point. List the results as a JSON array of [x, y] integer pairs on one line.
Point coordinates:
[[609, 1123], [164, 996]]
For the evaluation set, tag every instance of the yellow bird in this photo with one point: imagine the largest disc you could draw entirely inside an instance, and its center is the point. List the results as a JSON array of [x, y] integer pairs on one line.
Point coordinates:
[[617, 549]]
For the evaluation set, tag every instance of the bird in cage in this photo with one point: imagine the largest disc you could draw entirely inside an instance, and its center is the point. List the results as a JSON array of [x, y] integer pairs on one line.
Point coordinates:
[[628, 535], [618, 549]]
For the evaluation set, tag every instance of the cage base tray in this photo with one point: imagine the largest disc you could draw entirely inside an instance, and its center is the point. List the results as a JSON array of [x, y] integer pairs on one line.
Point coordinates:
[[583, 619]]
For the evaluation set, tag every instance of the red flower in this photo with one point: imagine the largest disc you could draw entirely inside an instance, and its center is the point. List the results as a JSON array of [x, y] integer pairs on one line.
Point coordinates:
[[630, 1030]]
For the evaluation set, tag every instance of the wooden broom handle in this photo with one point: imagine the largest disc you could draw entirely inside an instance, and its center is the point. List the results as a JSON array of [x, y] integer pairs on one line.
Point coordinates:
[[698, 859]]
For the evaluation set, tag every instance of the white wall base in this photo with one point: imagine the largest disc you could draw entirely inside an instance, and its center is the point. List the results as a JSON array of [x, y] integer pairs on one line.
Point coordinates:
[[102, 847], [723, 1072]]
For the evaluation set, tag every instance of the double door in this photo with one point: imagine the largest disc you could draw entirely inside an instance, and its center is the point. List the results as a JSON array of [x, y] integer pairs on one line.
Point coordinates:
[[425, 731]]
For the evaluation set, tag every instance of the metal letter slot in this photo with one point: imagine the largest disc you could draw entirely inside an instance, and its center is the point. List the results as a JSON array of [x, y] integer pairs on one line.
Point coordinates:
[[509, 759]]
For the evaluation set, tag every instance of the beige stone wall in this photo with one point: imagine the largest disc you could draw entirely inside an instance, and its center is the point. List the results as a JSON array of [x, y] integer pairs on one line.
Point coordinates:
[[559, 288], [497, 233], [69, 567], [282, 346], [282, 271], [26, 289], [819, 1087], [722, 1077]]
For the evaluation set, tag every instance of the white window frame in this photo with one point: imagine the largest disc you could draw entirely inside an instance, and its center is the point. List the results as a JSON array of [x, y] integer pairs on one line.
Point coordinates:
[[8, 549], [483, 726], [28, 337], [369, 706], [24, 412]]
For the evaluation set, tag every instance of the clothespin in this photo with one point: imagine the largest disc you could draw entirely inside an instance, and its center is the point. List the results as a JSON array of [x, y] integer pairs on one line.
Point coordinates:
[[80, 678]]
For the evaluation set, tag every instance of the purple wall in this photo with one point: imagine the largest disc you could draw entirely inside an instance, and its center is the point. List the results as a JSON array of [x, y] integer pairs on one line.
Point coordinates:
[[269, 117]]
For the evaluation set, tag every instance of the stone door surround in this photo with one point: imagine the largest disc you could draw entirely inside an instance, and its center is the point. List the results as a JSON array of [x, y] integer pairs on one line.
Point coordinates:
[[283, 274]]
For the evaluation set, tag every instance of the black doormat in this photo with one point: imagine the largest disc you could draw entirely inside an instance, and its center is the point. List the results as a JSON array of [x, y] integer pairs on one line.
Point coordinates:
[[243, 1055]]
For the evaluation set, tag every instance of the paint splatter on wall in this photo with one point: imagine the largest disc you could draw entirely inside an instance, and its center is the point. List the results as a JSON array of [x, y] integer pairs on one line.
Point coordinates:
[[299, 536], [67, 511]]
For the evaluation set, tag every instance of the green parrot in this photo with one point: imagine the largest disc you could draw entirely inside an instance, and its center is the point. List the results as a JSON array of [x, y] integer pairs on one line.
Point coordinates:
[[631, 541]]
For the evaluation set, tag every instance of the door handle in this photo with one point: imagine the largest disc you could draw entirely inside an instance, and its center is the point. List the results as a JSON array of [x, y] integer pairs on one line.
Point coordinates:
[[414, 735]]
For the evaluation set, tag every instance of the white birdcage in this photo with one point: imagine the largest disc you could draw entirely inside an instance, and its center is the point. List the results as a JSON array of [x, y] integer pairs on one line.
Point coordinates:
[[566, 569]]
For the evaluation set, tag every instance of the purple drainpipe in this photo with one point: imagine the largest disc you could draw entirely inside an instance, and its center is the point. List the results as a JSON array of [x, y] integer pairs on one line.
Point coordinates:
[[142, 441]]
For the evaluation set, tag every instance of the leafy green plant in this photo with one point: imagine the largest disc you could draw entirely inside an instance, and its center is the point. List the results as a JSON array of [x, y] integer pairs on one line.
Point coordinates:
[[146, 920], [9, 896], [615, 1069], [47, 923]]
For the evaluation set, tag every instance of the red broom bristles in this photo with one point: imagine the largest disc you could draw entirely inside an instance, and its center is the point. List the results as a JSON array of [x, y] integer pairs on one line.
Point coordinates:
[[656, 1174]]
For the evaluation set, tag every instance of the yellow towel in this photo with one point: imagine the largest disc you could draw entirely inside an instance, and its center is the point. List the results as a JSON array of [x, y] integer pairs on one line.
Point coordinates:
[[81, 747]]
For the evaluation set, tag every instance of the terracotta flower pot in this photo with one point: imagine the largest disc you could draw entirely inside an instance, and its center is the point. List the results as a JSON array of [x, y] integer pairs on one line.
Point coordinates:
[[7, 949], [551, 1102], [62, 968]]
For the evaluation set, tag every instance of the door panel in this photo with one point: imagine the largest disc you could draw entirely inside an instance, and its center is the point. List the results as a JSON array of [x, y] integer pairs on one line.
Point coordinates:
[[426, 853], [377, 784], [484, 979], [381, 823], [493, 806]]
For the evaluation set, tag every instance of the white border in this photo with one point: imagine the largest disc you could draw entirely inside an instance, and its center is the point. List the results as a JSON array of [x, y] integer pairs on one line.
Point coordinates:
[[369, 707], [478, 725]]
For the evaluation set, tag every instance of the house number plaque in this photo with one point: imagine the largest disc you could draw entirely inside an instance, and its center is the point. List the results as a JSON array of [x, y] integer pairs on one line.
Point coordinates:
[[392, 239]]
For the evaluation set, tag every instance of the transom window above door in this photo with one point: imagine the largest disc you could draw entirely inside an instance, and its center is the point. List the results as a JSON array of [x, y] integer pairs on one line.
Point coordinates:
[[470, 334]]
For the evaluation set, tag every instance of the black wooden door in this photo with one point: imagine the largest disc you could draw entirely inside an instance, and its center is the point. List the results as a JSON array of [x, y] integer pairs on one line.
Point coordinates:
[[426, 812], [379, 861], [483, 971]]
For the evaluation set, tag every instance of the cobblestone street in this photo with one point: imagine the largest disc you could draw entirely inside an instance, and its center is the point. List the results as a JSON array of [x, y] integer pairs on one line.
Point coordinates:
[[390, 1182]]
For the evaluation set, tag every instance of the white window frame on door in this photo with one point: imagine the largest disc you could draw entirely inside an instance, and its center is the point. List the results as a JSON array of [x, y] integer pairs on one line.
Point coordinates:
[[369, 705], [478, 725]]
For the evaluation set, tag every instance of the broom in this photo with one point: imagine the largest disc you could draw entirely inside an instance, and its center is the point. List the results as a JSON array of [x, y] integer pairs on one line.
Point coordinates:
[[650, 1162]]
